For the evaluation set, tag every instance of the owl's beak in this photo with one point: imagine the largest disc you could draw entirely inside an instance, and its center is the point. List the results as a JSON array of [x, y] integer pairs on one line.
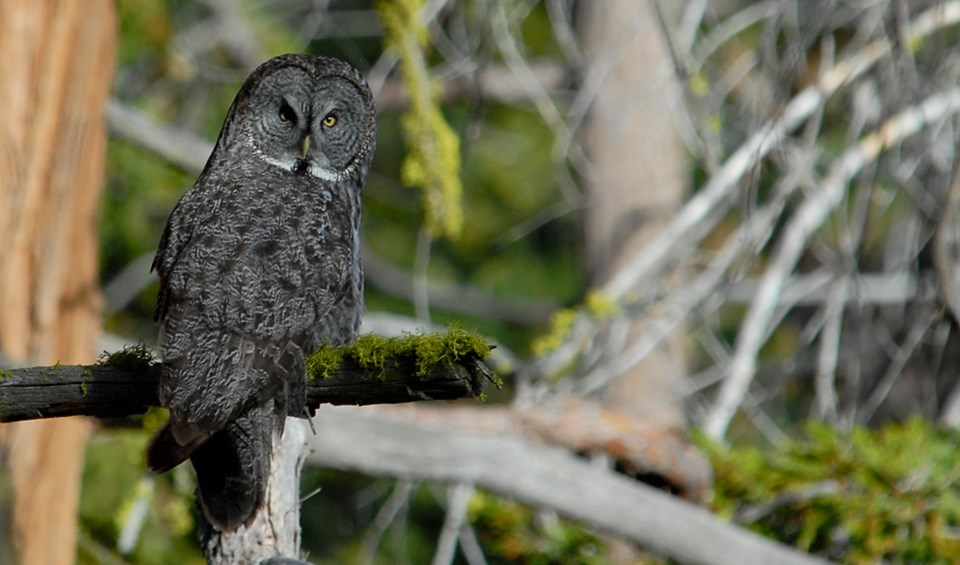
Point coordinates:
[[305, 146]]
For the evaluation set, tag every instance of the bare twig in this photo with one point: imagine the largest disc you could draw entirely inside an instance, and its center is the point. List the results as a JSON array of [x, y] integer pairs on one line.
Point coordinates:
[[458, 496], [802, 224], [128, 283], [274, 534], [830, 351], [674, 309], [903, 354], [397, 502]]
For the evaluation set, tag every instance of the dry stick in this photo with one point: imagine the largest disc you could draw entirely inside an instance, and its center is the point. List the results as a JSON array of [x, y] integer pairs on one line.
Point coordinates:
[[829, 354], [523, 72], [458, 496], [397, 502], [903, 354], [691, 217], [179, 147], [275, 530], [537, 93], [542, 476], [808, 218], [729, 28], [470, 546], [699, 211]]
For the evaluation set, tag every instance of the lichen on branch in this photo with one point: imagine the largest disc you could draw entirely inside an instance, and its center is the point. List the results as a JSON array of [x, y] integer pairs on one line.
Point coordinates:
[[432, 163]]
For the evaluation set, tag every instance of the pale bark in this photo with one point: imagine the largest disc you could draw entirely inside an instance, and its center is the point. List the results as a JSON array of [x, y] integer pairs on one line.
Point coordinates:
[[389, 441], [56, 64], [637, 183], [275, 532]]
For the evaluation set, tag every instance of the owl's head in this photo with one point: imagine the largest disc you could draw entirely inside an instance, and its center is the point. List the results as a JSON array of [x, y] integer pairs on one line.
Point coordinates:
[[305, 114]]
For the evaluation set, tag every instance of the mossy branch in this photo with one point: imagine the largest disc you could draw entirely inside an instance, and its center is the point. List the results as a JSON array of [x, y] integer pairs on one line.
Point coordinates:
[[374, 370]]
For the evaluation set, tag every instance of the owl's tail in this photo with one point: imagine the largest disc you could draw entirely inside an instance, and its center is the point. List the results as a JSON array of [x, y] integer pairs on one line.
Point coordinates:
[[232, 466], [165, 452]]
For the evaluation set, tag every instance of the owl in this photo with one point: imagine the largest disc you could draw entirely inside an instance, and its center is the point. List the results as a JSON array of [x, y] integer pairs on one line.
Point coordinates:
[[258, 265]]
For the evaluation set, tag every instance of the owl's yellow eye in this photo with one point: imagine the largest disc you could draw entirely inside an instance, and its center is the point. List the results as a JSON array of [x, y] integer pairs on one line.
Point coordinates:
[[329, 121], [286, 113]]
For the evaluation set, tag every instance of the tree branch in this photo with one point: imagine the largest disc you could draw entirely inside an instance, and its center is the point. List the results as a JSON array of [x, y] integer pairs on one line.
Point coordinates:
[[109, 391], [381, 441]]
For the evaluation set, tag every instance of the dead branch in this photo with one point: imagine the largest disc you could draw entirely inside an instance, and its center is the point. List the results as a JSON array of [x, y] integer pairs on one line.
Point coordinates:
[[384, 441], [106, 391]]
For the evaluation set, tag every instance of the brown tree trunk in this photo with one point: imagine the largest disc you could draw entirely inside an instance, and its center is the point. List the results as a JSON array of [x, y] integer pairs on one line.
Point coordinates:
[[56, 64], [638, 180]]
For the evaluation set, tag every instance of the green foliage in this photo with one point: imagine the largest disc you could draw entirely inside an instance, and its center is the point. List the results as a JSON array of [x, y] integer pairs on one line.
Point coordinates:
[[372, 352], [141, 190], [512, 533], [114, 480], [861, 497], [433, 159], [145, 27]]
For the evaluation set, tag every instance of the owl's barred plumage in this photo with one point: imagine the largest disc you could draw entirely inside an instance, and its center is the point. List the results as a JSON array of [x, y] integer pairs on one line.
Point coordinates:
[[258, 265]]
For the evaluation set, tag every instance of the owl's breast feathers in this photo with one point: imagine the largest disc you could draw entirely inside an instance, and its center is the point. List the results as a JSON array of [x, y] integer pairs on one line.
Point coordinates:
[[277, 262]]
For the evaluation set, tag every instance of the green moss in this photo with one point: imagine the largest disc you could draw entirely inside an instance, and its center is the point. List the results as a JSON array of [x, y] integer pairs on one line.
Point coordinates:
[[131, 358], [863, 496], [323, 362], [373, 353], [50, 371], [4, 375], [85, 377]]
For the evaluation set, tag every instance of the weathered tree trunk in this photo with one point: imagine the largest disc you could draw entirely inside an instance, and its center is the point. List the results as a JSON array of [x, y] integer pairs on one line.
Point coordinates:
[[638, 182], [56, 69], [275, 531]]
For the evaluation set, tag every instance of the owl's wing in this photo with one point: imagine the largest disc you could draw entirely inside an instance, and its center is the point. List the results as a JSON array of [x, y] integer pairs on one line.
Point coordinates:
[[214, 302], [176, 235], [212, 376]]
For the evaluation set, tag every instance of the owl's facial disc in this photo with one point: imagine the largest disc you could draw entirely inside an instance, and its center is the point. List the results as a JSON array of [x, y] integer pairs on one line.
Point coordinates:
[[307, 124]]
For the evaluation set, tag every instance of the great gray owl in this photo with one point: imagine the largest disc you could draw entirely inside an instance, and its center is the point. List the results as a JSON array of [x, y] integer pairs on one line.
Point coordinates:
[[259, 264]]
